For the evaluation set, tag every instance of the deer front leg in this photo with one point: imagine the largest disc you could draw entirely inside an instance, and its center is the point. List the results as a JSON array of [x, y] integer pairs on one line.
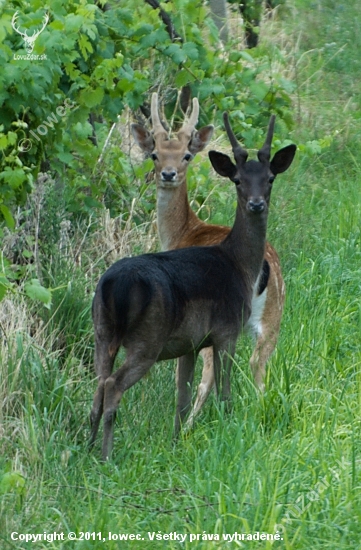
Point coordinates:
[[223, 357], [185, 375], [205, 386]]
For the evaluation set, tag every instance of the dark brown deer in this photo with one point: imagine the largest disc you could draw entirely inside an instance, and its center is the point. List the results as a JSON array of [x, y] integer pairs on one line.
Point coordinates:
[[173, 304], [179, 227]]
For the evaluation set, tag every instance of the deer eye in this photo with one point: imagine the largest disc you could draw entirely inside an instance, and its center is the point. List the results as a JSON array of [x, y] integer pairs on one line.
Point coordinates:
[[271, 179], [153, 156], [187, 157]]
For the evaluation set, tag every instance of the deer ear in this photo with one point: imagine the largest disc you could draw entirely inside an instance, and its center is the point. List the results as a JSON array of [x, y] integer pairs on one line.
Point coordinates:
[[222, 164], [283, 159], [142, 137], [200, 139]]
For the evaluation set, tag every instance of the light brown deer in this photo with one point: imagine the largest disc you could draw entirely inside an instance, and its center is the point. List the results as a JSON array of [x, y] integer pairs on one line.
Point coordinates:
[[179, 227], [175, 303]]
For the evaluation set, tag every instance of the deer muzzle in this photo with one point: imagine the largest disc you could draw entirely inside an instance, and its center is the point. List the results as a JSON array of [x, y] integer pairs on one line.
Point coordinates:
[[168, 174], [256, 205]]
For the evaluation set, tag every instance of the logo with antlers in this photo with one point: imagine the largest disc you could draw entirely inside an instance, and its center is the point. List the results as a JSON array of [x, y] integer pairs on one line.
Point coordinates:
[[29, 40]]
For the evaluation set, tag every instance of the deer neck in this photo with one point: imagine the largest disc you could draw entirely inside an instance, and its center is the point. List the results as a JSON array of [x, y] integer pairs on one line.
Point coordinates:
[[175, 216], [246, 243]]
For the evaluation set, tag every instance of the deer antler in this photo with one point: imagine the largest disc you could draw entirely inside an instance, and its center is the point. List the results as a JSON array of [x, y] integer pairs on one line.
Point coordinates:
[[240, 154], [158, 128], [36, 34], [186, 131], [264, 154], [13, 22]]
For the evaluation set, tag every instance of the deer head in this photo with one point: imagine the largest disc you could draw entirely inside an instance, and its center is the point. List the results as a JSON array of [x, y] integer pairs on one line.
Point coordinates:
[[172, 156], [29, 40], [253, 178]]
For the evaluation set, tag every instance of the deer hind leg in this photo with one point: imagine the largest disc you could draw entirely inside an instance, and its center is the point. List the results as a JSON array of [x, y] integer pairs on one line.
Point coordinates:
[[264, 348], [268, 327], [205, 386], [136, 365], [105, 353], [185, 375]]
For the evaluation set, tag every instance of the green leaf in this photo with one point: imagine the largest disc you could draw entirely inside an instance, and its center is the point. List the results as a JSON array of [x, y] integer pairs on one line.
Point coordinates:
[[90, 98], [91, 31], [182, 78], [191, 50], [174, 51], [12, 482], [259, 90], [12, 138], [13, 177], [5, 285], [3, 290], [73, 22], [71, 70], [36, 291], [57, 25], [143, 30], [85, 46], [141, 170], [151, 39], [125, 85], [65, 157], [3, 142], [247, 56], [9, 220], [83, 129]]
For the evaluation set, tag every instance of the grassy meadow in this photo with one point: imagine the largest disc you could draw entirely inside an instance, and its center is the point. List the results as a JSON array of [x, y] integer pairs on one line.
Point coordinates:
[[287, 462]]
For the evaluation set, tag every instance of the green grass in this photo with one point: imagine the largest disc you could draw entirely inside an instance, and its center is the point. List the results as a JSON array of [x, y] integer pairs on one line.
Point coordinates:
[[286, 461]]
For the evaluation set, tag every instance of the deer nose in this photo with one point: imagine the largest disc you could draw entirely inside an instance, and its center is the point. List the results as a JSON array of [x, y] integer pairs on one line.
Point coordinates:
[[256, 205], [168, 175]]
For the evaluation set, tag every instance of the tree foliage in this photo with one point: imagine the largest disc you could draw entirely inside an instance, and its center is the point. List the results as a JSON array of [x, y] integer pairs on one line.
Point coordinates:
[[90, 62], [96, 62]]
